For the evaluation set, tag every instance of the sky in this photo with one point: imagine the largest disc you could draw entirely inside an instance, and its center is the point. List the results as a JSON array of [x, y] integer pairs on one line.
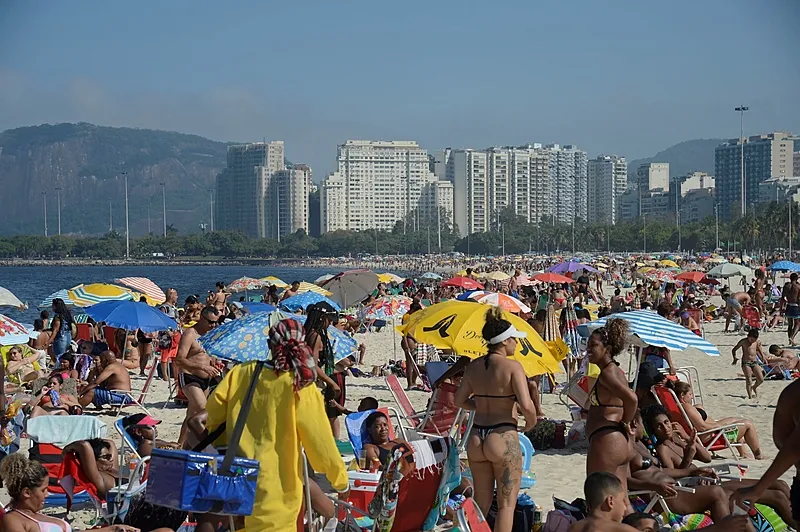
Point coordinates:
[[630, 77]]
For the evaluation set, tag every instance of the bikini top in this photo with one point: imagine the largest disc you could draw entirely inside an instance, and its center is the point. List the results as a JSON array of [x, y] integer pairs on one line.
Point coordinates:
[[511, 396], [46, 526], [594, 397]]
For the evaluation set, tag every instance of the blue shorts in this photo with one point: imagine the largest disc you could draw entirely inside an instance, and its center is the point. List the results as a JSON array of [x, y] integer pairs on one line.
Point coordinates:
[[104, 397]]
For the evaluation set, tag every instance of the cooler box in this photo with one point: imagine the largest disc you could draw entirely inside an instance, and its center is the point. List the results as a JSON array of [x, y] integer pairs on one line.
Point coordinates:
[[174, 480], [363, 486]]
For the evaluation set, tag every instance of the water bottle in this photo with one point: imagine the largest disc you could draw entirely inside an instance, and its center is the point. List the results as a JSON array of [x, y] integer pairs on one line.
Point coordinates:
[[537, 518], [55, 398]]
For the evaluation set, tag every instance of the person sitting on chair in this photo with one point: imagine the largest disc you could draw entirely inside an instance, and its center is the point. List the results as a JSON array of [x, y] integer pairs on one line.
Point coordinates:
[[380, 448], [107, 388], [51, 401]]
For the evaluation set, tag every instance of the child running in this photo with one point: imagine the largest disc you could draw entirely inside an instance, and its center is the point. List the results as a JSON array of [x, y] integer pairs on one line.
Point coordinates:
[[751, 354]]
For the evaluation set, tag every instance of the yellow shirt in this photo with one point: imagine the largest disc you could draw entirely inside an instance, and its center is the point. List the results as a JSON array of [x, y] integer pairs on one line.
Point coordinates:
[[273, 434]]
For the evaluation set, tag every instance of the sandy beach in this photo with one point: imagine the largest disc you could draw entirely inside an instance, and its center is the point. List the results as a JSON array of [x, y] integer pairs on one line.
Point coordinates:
[[559, 472]]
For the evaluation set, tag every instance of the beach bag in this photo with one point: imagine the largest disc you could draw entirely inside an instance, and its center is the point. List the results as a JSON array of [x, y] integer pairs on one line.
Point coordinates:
[[194, 481], [558, 521], [523, 516]]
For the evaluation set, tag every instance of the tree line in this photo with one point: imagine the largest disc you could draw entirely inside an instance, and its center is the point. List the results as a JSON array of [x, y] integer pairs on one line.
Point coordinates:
[[767, 230]]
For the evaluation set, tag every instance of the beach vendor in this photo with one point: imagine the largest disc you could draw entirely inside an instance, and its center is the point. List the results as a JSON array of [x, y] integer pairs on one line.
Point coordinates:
[[287, 411]]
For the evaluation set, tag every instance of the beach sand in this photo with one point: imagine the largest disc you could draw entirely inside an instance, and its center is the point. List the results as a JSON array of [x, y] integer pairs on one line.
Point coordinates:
[[559, 473]]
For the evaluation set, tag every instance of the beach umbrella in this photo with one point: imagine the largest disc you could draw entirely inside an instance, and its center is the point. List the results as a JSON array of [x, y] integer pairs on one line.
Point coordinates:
[[146, 287], [463, 282], [387, 308], [548, 277], [784, 266], [271, 280], [457, 325], [351, 287], [431, 276], [504, 301], [343, 344], [728, 269], [131, 315], [716, 260], [7, 299], [309, 287], [601, 265], [61, 294], [12, 332], [86, 295], [694, 277], [668, 264], [390, 278], [570, 266], [251, 307], [245, 284], [497, 276], [304, 300], [569, 331], [322, 278], [244, 339], [648, 328]]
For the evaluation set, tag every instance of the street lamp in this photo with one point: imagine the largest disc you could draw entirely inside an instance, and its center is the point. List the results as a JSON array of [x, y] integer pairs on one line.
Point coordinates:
[[716, 221], [211, 197], [127, 225], [164, 201], [58, 203], [44, 197], [741, 109]]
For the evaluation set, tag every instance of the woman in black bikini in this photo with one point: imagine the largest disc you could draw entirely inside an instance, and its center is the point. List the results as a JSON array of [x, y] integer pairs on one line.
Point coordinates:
[[492, 384], [613, 404]]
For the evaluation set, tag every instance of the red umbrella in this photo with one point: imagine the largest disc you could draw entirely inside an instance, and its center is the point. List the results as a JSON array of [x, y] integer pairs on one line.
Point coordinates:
[[549, 277], [710, 281], [463, 282], [691, 276]]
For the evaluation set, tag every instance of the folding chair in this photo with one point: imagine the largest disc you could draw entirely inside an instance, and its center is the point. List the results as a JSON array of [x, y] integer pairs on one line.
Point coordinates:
[[129, 395], [440, 418], [471, 519], [690, 376], [667, 398]]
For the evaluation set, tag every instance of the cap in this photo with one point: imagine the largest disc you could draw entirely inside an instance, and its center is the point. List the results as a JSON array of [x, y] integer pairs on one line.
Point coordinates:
[[139, 420], [324, 306]]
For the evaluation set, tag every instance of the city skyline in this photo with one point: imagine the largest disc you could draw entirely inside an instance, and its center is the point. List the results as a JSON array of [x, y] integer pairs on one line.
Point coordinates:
[[631, 92]]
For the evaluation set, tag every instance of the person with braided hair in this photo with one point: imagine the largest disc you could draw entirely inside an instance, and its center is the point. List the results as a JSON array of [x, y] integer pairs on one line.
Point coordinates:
[[319, 317], [613, 403]]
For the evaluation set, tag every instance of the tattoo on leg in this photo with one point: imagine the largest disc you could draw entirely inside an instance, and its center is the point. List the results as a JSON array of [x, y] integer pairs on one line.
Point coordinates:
[[512, 460]]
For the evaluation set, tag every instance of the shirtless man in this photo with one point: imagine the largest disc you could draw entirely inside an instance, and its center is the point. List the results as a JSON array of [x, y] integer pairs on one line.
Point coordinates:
[[790, 300], [751, 354], [607, 502], [291, 291], [758, 295], [735, 303], [196, 372], [112, 376], [788, 359], [786, 434]]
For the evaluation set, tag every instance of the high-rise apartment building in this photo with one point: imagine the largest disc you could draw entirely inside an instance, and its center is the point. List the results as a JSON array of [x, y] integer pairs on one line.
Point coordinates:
[[765, 156], [796, 161], [376, 184], [485, 182], [568, 183], [607, 180], [289, 201], [653, 176]]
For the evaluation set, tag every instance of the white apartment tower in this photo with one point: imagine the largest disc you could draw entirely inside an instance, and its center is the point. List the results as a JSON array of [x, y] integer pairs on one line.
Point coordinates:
[[568, 183], [289, 203], [487, 181], [376, 184], [653, 176], [607, 179]]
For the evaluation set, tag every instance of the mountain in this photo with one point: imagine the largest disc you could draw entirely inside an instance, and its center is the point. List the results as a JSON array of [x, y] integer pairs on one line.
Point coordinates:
[[86, 162], [689, 156]]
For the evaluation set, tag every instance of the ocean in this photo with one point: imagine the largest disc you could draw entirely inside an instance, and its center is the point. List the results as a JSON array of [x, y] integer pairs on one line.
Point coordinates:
[[32, 284]]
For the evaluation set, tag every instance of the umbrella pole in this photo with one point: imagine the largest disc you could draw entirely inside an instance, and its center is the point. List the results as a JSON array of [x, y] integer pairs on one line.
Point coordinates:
[[394, 340], [639, 352]]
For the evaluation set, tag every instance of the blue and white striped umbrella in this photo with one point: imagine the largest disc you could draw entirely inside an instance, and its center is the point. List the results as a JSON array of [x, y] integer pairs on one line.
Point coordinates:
[[304, 300], [648, 328], [62, 294]]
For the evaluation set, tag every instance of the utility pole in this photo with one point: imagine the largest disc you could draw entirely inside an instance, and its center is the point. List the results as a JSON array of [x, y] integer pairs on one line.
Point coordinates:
[[211, 197], [741, 109], [44, 197], [503, 233], [110, 218], [164, 202], [439, 225], [127, 226], [58, 206], [644, 231], [716, 220]]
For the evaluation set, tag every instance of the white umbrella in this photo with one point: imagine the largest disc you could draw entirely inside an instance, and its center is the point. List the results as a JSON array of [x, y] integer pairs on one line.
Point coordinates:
[[351, 287], [7, 299], [728, 269], [12, 333]]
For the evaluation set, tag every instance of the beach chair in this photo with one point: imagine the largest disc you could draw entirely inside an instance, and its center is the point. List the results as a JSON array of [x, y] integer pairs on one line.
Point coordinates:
[[718, 442], [471, 519], [85, 331], [357, 433], [440, 418], [130, 399], [50, 457], [128, 445], [752, 318], [690, 376]]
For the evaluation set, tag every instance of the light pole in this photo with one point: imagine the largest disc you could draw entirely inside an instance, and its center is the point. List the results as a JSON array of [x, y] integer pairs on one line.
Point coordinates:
[[716, 222], [58, 206], [44, 197], [110, 218], [127, 225], [503, 233], [644, 232], [164, 202], [211, 197], [791, 204], [678, 215], [741, 109]]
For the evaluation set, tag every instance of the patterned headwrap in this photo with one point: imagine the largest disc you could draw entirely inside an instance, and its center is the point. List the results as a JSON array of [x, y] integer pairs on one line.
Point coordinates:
[[291, 353]]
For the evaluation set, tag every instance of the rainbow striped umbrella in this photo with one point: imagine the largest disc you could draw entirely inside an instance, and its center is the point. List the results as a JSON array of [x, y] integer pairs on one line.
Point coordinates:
[[245, 284], [86, 295], [309, 287], [145, 286], [387, 308]]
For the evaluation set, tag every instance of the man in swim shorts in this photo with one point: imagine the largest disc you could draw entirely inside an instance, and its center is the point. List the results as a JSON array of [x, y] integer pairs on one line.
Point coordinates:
[[112, 376], [790, 299], [751, 354]]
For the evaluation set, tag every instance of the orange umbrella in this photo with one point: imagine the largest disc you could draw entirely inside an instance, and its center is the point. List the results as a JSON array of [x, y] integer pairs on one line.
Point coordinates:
[[691, 276], [549, 277]]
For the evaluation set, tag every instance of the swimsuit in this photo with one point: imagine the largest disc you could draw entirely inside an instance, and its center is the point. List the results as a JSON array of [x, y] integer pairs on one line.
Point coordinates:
[[594, 400], [46, 526], [792, 310], [187, 379], [734, 303], [483, 431], [750, 365]]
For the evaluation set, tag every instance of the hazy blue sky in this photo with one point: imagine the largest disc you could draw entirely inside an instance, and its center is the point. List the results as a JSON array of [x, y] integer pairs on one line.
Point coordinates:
[[630, 77]]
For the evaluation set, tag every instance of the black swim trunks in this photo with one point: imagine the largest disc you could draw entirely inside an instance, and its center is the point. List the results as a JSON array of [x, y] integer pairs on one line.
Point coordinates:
[[792, 310], [187, 379], [794, 500]]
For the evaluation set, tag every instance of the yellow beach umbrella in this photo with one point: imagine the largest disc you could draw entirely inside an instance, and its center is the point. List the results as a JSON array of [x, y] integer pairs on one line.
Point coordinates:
[[310, 287], [274, 281], [497, 276], [390, 278], [669, 264], [86, 295], [457, 325]]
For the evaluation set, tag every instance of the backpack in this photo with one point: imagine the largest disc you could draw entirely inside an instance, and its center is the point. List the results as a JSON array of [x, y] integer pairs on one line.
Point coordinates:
[[558, 521]]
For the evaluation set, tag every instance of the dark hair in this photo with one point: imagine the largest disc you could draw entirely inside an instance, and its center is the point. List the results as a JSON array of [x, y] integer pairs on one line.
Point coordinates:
[[614, 335], [598, 486], [649, 415], [774, 349], [69, 357], [368, 403], [636, 518], [209, 309], [314, 324], [793, 276], [20, 473], [664, 309], [142, 299], [57, 376], [61, 311], [97, 445], [753, 333], [45, 315], [495, 323], [38, 324], [220, 285], [373, 418], [540, 315]]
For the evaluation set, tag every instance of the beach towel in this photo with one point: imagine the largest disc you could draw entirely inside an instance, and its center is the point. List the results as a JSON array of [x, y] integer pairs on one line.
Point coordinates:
[[383, 508], [63, 430], [425, 353], [451, 478], [104, 397], [71, 477]]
